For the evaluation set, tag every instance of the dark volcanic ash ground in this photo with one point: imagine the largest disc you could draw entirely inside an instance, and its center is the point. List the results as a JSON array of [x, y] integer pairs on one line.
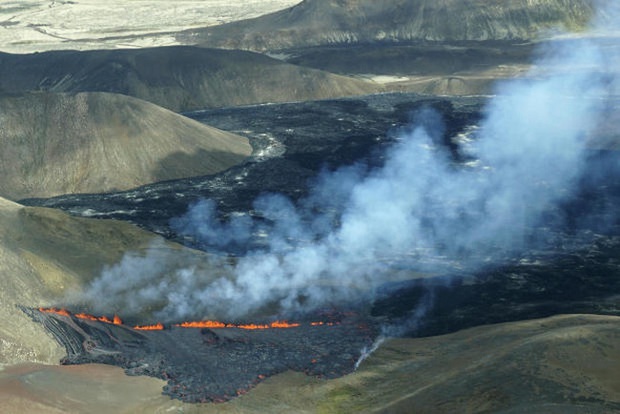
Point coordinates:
[[570, 262], [292, 143], [570, 267], [214, 365]]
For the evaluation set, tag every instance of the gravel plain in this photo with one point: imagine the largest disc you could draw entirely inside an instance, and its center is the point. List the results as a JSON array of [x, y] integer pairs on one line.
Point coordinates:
[[28, 26]]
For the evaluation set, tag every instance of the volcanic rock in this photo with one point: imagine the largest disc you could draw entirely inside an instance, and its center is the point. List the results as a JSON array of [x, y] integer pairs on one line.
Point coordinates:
[[97, 142], [570, 271], [566, 363], [292, 141], [432, 68], [176, 78], [212, 365]]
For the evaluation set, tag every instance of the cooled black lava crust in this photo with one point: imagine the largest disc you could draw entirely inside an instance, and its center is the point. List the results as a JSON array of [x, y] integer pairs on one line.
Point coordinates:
[[214, 365], [575, 271]]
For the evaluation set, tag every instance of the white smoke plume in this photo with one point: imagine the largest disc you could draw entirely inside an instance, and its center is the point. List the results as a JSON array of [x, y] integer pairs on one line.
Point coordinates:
[[368, 351], [527, 155]]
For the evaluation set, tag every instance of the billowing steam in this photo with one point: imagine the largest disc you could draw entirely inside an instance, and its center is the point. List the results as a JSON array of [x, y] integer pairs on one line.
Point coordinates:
[[420, 209]]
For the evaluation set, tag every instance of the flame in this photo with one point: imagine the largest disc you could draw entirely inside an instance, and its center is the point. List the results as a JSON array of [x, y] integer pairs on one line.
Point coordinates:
[[156, 327], [283, 324], [248, 326], [251, 326], [116, 320], [86, 316], [104, 319], [204, 324], [57, 311]]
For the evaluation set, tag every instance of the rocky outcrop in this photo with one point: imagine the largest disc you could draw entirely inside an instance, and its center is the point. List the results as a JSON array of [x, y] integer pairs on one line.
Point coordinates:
[[97, 142], [319, 22]]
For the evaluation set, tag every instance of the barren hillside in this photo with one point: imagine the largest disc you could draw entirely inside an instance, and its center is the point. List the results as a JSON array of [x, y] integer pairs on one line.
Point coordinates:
[[96, 142], [177, 78], [318, 22]]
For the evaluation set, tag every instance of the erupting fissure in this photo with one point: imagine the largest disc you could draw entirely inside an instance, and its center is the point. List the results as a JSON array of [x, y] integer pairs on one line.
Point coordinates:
[[250, 326], [207, 365], [116, 320], [155, 327]]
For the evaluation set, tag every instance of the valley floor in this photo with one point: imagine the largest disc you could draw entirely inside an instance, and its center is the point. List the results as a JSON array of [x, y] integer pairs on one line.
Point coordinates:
[[35, 25]]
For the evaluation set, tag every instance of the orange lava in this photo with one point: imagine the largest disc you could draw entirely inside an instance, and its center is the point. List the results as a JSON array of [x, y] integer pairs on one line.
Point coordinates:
[[156, 327], [283, 324], [86, 316], [204, 324], [248, 326], [116, 320], [57, 311]]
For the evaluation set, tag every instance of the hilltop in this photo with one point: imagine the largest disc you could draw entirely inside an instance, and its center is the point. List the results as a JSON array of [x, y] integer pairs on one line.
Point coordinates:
[[318, 22]]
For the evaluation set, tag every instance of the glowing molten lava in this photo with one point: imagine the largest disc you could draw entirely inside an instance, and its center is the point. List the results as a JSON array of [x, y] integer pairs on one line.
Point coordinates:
[[204, 324], [57, 311], [156, 327], [250, 326], [116, 320]]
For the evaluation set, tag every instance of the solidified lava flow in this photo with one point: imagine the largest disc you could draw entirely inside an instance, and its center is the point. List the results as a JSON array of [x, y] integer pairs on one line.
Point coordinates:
[[211, 361]]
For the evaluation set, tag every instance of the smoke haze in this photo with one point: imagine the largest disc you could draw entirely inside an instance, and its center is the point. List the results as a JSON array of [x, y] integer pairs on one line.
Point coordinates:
[[421, 209]]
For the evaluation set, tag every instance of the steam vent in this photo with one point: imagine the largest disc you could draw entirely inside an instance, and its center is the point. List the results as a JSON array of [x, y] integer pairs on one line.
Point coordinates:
[[210, 361]]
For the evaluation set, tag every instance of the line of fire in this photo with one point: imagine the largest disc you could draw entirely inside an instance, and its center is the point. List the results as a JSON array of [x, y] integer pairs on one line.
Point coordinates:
[[213, 361], [116, 320]]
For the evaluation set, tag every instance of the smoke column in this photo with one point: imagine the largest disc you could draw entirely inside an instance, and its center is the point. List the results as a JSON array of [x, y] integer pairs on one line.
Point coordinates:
[[420, 207]]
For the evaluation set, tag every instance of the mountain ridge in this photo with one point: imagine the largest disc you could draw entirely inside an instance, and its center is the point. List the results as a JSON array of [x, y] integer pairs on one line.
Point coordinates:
[[317, 22]]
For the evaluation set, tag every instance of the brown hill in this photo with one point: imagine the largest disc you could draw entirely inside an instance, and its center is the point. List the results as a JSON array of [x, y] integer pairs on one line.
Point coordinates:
[[46, 254], [97, 142], [177, 78], [319, 22]]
